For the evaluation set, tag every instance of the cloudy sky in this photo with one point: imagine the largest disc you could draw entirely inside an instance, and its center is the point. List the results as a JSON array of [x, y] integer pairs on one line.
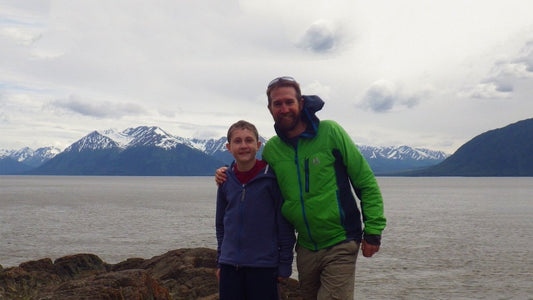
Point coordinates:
[[430, 74]]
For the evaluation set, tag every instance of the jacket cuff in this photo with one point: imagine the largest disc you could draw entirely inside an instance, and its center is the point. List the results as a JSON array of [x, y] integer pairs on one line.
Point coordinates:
[[373, 239], [284, 271]]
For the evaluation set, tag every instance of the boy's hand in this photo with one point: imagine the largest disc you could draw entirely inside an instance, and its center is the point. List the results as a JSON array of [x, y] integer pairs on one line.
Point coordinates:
[[218, 274], [220, 175]]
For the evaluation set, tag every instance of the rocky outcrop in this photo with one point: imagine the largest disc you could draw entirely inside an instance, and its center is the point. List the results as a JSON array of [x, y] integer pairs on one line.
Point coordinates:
[[178, 274]]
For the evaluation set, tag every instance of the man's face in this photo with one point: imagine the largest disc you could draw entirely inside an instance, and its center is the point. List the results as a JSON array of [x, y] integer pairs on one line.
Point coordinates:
[[285, 109]]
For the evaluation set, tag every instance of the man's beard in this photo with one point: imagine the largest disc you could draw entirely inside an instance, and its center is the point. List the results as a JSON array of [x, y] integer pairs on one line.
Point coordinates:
[[287, 124]]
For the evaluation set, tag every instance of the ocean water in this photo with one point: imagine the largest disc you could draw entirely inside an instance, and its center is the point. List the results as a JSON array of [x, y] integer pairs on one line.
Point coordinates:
[[447, 237]]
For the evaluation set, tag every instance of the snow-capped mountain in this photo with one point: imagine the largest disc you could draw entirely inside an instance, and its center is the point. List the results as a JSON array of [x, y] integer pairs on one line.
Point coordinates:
[[209, 146], [92, 141], [145, 136], [157, 137], [164, 154], [389, 160], [217, 148], [29, 156], [381, 159], [152, 136], [131, 137], [400, 153], [147, 151]]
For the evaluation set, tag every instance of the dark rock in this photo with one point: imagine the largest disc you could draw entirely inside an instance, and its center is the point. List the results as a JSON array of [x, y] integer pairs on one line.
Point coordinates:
[[130, 263], [187, 273], [178, 274], [127, 284], [44, 264], [74, 266]]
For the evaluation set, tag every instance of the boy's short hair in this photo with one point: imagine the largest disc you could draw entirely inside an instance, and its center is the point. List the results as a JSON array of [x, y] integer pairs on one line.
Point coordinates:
[[242, 125]]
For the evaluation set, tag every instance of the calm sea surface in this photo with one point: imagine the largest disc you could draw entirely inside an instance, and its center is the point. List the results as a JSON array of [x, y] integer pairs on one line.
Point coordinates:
[[447, 238]]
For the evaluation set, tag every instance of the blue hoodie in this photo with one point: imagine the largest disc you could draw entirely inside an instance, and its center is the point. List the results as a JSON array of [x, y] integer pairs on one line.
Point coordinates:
[[251, 232]]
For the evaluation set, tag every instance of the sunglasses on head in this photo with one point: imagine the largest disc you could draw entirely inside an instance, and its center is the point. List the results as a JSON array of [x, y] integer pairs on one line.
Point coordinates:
[[285, 78]]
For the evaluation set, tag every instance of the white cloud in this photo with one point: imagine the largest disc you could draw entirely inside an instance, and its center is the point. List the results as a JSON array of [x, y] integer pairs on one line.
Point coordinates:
[[501, 79], [88, 107], [321, 37], [491, 90], [384, 96]]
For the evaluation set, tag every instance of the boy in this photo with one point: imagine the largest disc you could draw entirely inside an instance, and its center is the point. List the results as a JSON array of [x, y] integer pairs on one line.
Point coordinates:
[[255, 242]]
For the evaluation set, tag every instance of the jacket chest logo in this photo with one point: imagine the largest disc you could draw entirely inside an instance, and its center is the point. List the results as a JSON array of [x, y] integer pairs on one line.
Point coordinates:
[[315, 161]]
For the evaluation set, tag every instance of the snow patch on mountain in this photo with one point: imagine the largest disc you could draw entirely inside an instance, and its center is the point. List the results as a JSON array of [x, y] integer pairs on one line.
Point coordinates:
[[29, 156], [209, 146], [122, 139], [400, 153]]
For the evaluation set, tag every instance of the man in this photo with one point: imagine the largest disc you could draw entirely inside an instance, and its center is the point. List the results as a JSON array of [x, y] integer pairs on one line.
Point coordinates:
[[317, 164]]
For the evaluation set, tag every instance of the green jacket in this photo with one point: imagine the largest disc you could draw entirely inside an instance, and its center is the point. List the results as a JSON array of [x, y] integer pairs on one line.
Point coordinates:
[[316, 172]]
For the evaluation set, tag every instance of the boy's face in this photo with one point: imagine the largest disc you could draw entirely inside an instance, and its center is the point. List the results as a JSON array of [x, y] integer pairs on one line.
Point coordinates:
[[243, 145]]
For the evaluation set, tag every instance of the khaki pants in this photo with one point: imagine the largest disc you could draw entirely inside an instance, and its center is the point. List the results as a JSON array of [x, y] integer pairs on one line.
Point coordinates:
[[327, 273]]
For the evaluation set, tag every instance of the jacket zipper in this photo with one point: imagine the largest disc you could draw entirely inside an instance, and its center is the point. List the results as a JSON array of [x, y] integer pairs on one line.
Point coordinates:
[[307, 175], [241, 227], [296, 161]]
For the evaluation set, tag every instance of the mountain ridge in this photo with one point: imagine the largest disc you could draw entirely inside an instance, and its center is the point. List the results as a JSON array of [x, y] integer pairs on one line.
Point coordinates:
[[149, 150], [506, 151], [111, 143]]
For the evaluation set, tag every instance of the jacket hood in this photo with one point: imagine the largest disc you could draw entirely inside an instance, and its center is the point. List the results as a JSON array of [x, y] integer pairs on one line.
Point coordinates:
[[312, 104]]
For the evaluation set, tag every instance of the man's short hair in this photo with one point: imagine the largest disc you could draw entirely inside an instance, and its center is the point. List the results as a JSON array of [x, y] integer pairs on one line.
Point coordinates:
[[283, 81]]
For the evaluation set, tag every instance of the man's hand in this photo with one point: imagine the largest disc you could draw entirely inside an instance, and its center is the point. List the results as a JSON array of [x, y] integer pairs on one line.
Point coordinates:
[[220, 175], [368, 249], [218, 274]]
